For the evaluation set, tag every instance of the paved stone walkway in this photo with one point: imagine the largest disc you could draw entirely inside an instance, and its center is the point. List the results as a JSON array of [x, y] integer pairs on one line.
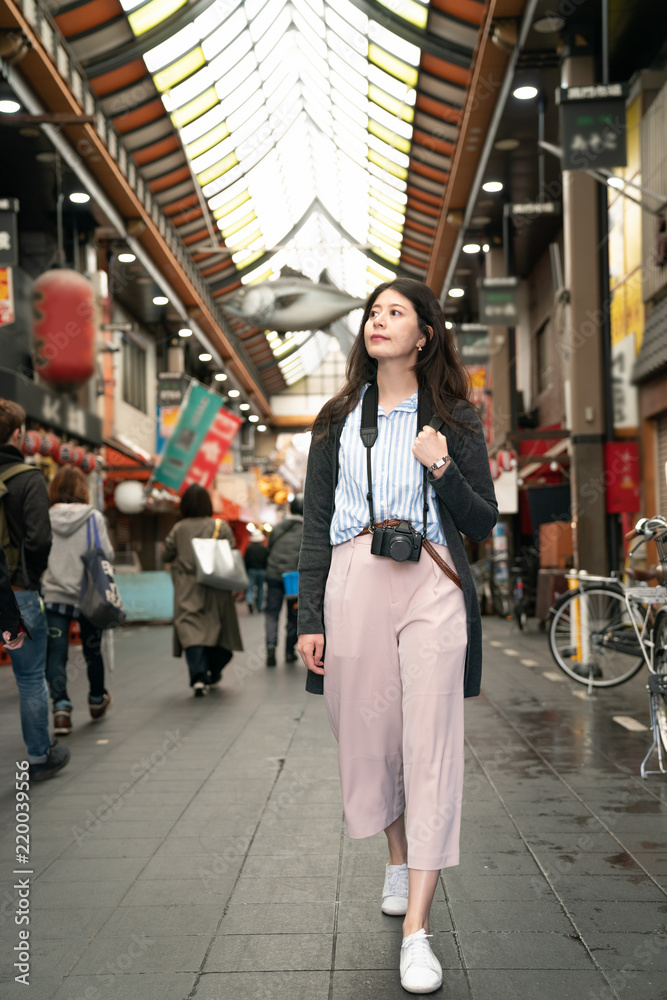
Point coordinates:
[[195, 848]]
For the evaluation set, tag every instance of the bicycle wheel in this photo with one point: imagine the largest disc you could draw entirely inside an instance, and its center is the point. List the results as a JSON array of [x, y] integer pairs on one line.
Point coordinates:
[[592, 638], [660, 665]]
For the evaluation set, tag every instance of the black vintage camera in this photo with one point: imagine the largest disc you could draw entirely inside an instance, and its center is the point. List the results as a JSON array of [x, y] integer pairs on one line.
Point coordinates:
[[401, 543]]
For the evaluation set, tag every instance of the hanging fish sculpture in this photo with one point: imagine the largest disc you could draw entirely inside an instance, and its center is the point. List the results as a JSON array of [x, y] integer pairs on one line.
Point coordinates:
[[291, 303]]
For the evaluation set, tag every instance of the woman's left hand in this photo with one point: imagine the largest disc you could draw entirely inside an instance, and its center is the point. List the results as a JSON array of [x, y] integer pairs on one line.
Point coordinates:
[[429, 446]]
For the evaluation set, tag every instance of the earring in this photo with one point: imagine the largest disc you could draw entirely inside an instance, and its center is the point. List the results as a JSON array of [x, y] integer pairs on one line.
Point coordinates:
[[419, 347]]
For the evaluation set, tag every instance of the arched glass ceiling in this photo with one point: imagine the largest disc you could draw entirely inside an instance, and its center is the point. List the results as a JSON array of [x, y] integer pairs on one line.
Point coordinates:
[[279, 103]]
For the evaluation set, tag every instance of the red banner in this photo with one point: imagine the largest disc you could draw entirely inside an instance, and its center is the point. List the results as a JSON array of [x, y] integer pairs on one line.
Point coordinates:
[[622, 477], [216, 443]]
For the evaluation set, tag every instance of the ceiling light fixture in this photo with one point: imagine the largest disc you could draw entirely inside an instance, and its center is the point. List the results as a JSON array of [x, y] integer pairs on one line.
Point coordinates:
[[448, 325], [616, 182], [525, 93], [233, 393], [126, 258], [160, 300], [9, 107], [220, 377], [261, 428], [244, 406], [205, 357], [486, 248], [253, 418], [471, 248], [185, 332], [505, 145], [456, 293], [492, 187], [79, 197]]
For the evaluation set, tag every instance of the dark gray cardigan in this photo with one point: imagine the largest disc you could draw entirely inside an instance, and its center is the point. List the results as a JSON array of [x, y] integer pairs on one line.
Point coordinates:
[[466, 504]]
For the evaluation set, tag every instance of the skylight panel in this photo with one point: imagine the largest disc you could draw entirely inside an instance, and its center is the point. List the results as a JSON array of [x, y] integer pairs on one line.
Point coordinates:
[[222, 166], [391, 42], [390, 64], [397, 108], [313, 39], [389, 137], [385, 149], [172, 49], [241, 95], [313, 59], [350, 109], [381, 211], [384, 249], [253, 7], [391, 85], [351, 13], [409, 10], [394, 199], [218, 152], [351, 79], [228, 228], [287, 93], [346, 52], [179, 70], [315, 21], [357, 40], [389, 121], [274, 35], [394, 177], [249, 117], [232, 209], [202, 125], [193, 109], [180, 94], [220, 183], [207, 141], [355, 128], [229, 57], [152, 14], [390, 233], [279, 55], [228, 199], [231, 81], [225, 34], [262, 22], [129, 5]]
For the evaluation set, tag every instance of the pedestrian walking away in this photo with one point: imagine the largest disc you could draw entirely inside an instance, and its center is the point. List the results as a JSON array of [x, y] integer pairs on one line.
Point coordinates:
[[284, 547], [25, 534], [255, 558], [397, 471], [12, 626], [205, 621], [71, 514]]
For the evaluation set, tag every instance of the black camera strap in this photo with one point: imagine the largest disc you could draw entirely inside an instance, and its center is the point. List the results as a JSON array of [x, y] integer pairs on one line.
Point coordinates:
[[369, 433]]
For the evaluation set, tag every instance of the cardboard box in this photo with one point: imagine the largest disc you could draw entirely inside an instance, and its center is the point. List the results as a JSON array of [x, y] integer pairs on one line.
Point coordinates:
[[555, 545]]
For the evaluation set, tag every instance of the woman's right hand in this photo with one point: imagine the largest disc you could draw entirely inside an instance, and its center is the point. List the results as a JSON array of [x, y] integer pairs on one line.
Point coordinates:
[[311, 648]]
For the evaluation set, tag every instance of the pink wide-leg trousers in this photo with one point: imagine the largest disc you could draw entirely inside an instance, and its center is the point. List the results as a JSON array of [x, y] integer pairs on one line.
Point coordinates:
[[393, 688]]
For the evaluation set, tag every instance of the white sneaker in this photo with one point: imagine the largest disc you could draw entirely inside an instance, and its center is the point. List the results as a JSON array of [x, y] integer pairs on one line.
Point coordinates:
[[199, 689], [395, 891], [421, 972]]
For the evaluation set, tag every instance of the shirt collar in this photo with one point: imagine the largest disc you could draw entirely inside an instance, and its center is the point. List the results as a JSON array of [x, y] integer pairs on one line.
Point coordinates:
[[408, 405]]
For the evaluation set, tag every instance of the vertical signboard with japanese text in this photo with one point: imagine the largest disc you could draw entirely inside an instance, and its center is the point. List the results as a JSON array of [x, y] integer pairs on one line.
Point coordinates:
[[593, 126], [9, 237], [7, 312], [202, 434]]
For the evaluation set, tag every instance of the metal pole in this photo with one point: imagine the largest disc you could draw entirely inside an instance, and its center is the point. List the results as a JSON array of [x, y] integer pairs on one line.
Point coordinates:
[[605, 41], [541, 109]]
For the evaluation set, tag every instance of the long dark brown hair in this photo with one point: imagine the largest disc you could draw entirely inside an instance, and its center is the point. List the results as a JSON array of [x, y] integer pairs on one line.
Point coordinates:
[[439, 369]]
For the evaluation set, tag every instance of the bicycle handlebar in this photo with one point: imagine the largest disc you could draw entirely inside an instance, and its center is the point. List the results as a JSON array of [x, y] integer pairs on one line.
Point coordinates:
[[647, 526]]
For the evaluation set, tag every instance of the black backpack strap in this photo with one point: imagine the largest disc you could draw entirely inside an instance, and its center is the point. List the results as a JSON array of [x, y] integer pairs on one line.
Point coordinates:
[[369, 433]]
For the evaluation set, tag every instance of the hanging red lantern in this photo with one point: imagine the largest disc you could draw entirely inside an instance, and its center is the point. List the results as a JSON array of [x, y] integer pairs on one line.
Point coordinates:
[[48, 444], [77, 456], [63, 453], [64, 328], [88, 463], [31, 443]]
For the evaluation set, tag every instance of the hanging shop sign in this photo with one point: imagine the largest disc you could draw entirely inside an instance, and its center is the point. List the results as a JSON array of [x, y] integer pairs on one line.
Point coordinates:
[[171, 389], [9, 233], [201, 435], [45, 407], [473, 343], [622, 477], [592, 126], [534, 208], [7, 313], [499, 301]]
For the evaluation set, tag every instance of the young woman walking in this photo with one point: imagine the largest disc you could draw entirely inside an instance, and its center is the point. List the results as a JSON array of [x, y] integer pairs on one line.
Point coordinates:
[[205, 621], [71, 513], [384, 576]]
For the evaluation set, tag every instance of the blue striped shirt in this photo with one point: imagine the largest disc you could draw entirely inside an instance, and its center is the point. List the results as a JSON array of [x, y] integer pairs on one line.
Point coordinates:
[[397, 476]]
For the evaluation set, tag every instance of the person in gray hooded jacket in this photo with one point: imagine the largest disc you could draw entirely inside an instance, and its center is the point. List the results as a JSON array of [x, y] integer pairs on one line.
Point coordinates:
[[70, 513]]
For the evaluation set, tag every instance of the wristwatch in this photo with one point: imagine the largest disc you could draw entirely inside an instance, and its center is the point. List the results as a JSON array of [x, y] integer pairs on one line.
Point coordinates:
[[440, 463]]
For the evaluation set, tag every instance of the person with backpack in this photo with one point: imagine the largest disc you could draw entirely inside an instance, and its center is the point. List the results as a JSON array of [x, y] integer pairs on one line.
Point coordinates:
[[284, 547], [255, 559], [70, 515], [25, 535], [12, 626]]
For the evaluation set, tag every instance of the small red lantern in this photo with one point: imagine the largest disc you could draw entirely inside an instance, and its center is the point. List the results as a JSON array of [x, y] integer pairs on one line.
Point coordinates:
[[88, 463], [63, 453], [505, 461], [493, 466], [77, 456], [48, 444], [64, 328], [31, 443]]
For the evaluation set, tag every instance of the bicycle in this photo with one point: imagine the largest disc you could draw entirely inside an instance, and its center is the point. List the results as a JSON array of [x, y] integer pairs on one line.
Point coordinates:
[[602, 632]]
